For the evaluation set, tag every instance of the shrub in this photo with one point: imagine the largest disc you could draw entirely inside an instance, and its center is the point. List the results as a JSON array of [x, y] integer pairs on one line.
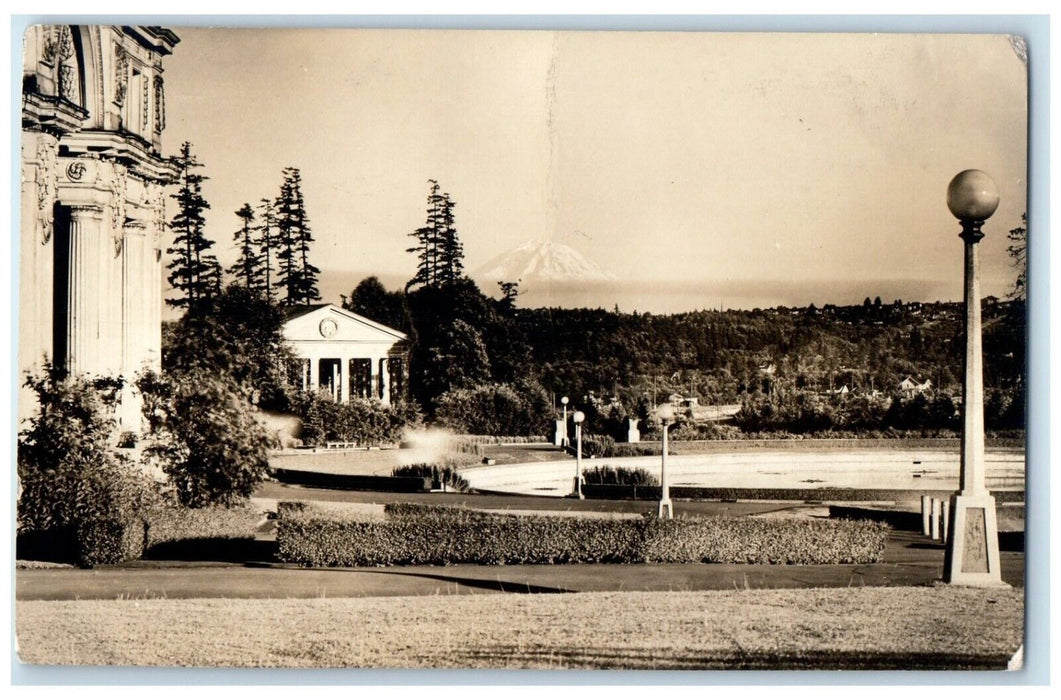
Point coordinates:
[[596, 445], [364, 421], [624, 476], [80, 499], [495, 409], [438, 474], [438, 535], [205, 436]]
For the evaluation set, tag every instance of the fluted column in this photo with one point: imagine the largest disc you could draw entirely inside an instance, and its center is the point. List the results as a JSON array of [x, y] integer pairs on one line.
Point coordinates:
[[83, 288]]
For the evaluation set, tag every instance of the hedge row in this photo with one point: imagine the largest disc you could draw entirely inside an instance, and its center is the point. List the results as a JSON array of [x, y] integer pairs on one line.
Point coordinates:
[[413, 535], [636, 492], [112, 540]]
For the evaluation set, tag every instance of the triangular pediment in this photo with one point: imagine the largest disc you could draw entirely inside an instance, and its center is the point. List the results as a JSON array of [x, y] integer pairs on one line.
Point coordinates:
[[331, 323]]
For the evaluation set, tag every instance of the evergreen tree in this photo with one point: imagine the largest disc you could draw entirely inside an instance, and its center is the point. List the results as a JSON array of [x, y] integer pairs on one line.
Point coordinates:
[[439, 252], [249, 267], [267, 242], [298, 277], [450, 248], [194, 273], [426, 247]]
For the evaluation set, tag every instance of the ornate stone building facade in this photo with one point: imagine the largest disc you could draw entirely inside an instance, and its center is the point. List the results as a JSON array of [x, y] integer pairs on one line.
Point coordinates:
[[92, 201]]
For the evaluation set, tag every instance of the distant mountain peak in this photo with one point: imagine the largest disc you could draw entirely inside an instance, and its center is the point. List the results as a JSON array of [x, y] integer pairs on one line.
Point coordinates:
[[540, 261]]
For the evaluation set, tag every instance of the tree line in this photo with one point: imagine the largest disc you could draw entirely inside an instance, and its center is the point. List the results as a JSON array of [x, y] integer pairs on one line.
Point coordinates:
[[273, 240]]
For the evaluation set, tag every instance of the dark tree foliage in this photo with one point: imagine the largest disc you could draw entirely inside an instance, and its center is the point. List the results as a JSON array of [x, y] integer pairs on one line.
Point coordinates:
[[496, 409], [460, 341], [298, 277], [74, 486], [372, 300], [439, 251], [1018, 251], [194, 273], [238, 335], [206, 437], [249, 266], [267, 240]]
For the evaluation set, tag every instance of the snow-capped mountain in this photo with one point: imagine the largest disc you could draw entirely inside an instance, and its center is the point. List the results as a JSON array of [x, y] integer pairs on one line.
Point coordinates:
[[540, 261]]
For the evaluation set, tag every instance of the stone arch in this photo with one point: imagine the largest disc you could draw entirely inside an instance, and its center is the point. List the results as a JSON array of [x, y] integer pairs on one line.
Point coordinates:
[[90, 62]]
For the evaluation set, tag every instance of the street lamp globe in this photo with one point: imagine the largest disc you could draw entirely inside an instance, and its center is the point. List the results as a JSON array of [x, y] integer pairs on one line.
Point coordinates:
[[578, 417], [665, 414], [972, 196], [563, 400]]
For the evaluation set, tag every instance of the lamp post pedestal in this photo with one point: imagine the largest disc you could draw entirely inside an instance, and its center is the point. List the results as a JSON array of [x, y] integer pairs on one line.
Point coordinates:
[[972, 557], [666, 510]]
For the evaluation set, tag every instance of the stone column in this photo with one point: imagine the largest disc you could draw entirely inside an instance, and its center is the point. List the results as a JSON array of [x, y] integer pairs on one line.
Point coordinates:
[[36, 259], [385, 380], [136, 297], [345, 369], [83, 288], [314, 374]]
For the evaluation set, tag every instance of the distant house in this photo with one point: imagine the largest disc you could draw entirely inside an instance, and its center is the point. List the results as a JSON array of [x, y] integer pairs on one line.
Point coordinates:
[[346, 354], [910, 388], [768, 368], [842, 391]]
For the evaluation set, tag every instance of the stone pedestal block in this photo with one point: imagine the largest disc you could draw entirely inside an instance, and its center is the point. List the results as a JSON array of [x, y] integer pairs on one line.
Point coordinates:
[[972, 553], [632, 433]]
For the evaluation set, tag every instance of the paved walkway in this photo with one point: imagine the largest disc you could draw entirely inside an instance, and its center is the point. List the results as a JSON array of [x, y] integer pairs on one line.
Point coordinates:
[[909, 560]]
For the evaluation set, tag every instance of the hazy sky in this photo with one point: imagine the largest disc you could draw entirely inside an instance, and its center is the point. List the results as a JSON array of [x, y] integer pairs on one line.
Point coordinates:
[[791, 161]]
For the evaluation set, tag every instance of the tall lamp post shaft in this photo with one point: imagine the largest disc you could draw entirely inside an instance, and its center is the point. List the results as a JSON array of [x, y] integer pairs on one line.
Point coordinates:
[[972, 479], [972, 556]]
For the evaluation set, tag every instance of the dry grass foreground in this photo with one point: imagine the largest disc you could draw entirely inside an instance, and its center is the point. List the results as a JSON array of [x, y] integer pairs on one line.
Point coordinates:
[[877, 628]]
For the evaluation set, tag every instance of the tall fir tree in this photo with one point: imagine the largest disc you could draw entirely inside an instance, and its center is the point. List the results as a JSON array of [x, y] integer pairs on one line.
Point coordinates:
[[439, 252], [194, 273], [450, 248], [267, 240], [248, 268], [298, 277]]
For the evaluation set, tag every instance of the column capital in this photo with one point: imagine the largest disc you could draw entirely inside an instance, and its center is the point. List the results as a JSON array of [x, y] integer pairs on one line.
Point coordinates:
[[86, 210]]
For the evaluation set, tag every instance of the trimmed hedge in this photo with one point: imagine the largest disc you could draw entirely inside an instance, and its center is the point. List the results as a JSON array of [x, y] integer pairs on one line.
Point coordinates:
[[438, 535], [177, 524]]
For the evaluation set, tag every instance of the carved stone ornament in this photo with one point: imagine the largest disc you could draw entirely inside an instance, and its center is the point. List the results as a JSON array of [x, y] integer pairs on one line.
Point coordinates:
[[160, 105], [121, 74], [145, 107], [47, 184], [76, 170], [118, 186], [50, 43], [66, 42]]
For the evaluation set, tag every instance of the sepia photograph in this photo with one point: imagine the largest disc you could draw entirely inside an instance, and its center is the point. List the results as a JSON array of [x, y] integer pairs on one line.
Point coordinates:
[[442, 348]]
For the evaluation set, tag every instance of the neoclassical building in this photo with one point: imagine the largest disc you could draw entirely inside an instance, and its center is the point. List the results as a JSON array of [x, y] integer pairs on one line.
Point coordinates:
[[346, 354], [92, 201]]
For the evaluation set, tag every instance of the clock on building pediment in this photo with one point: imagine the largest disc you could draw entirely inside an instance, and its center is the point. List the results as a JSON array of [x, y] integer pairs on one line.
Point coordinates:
[[328, 327]]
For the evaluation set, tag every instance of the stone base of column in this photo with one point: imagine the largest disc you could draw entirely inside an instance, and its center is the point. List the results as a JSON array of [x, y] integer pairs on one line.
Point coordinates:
[[972, 548], [666, 510]]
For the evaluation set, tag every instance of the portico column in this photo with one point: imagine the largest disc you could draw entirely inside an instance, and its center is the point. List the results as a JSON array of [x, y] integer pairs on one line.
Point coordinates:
[[134, 321], [385, 379], [83, 289], [314, 374], [345, 370]]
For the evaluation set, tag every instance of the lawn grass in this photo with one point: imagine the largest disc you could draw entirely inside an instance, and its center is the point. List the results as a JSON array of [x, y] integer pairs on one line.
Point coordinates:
[[848, 628]]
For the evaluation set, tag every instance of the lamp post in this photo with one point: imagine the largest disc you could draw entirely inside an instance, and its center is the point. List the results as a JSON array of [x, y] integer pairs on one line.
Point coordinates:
[[578, 417], [563, 433], [666, 417], [972, 544]]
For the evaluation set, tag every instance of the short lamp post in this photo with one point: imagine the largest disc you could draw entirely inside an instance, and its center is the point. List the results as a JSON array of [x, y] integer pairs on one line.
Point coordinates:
[[563, 432], [972, 544], [666, 417], [578, 417]]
